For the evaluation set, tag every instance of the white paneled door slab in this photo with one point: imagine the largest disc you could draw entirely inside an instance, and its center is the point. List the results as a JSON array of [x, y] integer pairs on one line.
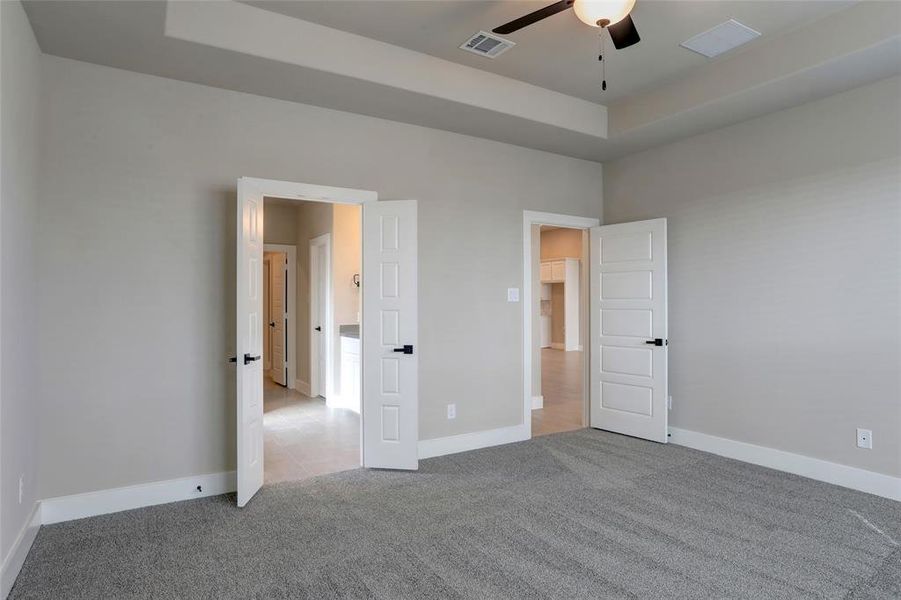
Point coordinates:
[[390, 345], [629, 329], [249, 344]]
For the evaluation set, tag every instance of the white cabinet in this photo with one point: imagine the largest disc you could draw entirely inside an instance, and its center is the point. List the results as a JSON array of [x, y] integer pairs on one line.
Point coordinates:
[[546, 272], [350, 373], [565, 272]]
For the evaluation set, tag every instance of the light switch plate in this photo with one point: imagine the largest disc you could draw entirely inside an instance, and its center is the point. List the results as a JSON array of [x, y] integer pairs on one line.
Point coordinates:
[[512, 294]]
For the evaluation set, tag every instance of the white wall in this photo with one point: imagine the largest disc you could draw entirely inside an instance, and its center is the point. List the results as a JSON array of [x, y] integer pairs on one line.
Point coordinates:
[[137, 261], [784, 274], [20, 70]]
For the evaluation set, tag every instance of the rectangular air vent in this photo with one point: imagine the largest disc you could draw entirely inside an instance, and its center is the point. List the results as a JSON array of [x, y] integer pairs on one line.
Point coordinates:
[[722, 38], [487, 44]]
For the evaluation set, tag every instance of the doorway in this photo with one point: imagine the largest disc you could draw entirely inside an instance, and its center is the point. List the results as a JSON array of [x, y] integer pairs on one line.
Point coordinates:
[[380, 324], [279, 308], [312, 425], [560, 402], [622, 329]]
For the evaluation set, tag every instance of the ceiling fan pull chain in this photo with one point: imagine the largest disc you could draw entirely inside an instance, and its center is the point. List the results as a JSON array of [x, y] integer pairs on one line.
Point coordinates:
[[603, 63]]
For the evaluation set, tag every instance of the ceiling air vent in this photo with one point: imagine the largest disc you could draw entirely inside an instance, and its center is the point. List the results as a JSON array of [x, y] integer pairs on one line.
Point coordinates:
[[487, 44], [722, 38]]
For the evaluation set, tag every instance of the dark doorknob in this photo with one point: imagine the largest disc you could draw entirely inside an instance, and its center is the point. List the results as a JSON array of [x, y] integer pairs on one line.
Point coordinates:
[[318, 328], [272, 324], [406, 349], [249, 359], [656, 342]]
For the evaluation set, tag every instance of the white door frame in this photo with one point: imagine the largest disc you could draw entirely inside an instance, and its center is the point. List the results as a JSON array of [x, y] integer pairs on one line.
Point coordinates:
[[290, 308], [292, 191], [321, 244], [531, 218]]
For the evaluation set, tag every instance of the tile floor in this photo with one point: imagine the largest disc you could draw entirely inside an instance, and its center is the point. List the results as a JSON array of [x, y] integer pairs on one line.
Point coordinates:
[[561, 386], [304, 438]]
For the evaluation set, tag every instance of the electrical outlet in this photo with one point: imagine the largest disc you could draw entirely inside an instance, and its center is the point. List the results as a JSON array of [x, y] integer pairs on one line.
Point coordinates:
[[451, 411], [512, 294], [864, 438], [21, 488]]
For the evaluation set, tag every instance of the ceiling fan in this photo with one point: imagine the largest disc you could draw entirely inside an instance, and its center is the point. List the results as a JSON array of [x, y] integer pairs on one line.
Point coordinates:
[[612, 15]]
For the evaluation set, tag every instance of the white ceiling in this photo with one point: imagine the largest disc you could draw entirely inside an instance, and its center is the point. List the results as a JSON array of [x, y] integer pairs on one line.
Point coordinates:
[[399, 60], [558, 53]]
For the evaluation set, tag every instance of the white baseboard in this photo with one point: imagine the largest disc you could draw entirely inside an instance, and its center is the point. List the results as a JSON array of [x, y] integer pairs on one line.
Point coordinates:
[[302, 386], [101, 502], [15, 558], [472, 441], [537, 402], [814, 468]]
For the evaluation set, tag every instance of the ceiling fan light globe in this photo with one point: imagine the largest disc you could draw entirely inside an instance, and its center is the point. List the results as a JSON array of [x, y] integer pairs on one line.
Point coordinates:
[[595, 12]]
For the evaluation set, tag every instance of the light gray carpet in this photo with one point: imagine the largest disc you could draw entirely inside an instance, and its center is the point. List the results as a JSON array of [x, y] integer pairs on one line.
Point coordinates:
[[575, 515]]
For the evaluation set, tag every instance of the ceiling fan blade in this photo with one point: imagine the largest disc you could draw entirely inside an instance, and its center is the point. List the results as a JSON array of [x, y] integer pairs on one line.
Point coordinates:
[[624, 33], [533, 17]]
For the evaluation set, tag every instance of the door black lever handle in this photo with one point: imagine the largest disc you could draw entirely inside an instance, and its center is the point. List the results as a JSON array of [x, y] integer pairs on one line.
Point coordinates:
[[318, 328], [249, 359], [406, 349], [272, 324], [656, 342]]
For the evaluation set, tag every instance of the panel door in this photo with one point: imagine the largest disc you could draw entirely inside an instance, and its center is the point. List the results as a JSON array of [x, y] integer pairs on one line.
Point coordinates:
[[389, 328], [279, 318], [249, 344], [629, 329]]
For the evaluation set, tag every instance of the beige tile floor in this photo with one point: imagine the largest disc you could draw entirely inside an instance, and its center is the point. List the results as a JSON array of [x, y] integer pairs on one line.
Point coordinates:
[[304, 438], [561, 386]]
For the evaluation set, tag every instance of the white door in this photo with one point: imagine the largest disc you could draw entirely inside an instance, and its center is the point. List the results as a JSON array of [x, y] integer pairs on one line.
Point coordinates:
[[390, 371], [320, 315], [279, 314], [629, 329], [249, 346], [267, 310]]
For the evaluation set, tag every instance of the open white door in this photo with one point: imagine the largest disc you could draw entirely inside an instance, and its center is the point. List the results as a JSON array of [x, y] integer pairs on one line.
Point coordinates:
[[279, 316], [629, 329], [249, 346], [390, 366]]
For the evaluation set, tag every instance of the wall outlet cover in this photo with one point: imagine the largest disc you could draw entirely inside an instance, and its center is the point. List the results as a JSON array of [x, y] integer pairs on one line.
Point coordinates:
[[864, 438], [512, 294], [451, 411]]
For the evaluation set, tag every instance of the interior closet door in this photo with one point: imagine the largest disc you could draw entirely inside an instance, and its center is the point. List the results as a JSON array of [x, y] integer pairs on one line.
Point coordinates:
[[629, 329]]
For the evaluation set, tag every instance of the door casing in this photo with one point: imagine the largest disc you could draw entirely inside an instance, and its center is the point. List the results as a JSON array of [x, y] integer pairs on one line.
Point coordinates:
[[264, 188], [531, 218]]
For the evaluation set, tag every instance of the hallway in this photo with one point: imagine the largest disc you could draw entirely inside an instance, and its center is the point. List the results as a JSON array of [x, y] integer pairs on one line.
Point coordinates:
[[561, 386], [304, 438]]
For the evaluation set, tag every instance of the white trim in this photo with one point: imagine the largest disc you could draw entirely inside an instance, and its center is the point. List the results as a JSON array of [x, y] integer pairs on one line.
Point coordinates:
[[302, 386], [472, 441], [814, 468], [291, 308], [530, 218], [307, 191], [15, 558], [537, 402], [101, 502]]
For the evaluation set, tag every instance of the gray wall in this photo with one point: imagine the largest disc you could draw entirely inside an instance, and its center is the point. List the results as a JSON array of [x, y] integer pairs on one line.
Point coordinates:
[[137, 219], [784, 265], [20, 71]]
